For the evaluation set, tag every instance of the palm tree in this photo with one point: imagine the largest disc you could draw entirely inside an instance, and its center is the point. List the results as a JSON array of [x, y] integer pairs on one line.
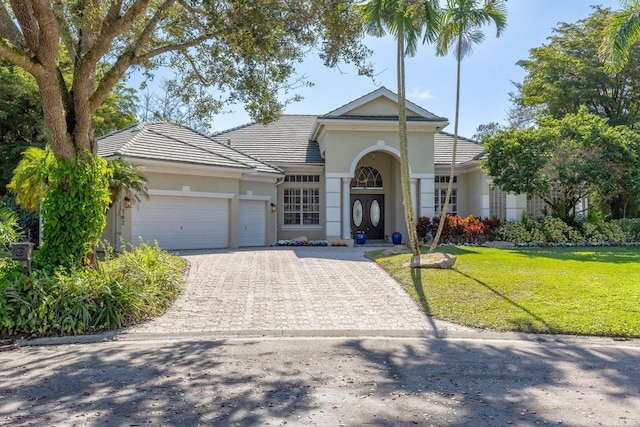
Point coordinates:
[[460, 30], [407, 21], [622, 33], [29, 181], [127, 178]]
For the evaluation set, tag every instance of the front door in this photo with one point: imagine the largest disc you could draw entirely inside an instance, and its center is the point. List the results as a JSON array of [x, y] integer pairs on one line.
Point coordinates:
[[367, 214]]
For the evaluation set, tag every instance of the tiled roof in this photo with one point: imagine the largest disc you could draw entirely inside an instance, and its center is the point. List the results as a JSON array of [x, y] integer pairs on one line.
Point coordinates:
[[281, 142], [468, 149], [174, 143]]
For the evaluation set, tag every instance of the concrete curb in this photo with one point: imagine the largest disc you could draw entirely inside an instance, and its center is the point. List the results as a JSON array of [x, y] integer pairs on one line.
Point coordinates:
[[488, 336]]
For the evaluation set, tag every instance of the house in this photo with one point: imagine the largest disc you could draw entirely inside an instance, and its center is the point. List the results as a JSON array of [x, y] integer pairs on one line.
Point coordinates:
[[323, 177]]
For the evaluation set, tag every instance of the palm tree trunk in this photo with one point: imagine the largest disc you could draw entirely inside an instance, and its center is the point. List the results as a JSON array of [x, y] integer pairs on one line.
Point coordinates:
[[452, 171], [404, 158]]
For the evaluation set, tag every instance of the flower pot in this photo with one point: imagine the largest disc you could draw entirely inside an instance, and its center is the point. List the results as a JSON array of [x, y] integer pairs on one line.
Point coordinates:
[[396, 238], [361, 239]]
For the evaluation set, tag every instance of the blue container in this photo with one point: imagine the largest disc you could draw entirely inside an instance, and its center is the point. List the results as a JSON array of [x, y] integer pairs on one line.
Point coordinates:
[[361, 239], [396, 238]]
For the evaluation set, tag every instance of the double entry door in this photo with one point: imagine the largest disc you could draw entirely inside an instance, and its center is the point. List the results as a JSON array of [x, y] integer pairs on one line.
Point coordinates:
[[367, 214]]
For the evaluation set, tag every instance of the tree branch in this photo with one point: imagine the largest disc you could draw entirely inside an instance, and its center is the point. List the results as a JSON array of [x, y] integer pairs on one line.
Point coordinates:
[[8, 28]]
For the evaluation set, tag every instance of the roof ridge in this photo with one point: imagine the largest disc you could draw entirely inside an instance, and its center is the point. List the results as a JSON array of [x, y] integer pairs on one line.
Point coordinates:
[[460, 137], [142, 128]]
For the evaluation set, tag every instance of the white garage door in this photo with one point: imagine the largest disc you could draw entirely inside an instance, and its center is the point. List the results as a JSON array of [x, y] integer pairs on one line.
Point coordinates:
[[252, 223], [182, 222]]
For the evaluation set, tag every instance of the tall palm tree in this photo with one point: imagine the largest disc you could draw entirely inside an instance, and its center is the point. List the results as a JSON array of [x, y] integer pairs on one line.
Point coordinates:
[[622, 33], [407, 21], [460, 29]]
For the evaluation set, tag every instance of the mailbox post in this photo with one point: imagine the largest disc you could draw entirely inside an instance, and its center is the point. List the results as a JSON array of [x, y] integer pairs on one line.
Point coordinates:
[[21, 251]]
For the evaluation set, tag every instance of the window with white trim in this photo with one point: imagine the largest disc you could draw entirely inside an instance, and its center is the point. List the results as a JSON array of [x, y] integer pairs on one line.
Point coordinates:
[[440, 197], [301, 200]]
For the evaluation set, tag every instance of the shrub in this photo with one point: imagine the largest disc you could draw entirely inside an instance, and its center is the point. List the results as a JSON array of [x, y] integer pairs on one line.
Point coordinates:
[[630, 228], [10, 231], [602, 231], [557, 231], [424, 227], [131, 287], [457, 230]]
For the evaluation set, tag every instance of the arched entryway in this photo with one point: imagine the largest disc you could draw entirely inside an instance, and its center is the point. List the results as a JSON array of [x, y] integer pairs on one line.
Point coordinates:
[[375, 195]]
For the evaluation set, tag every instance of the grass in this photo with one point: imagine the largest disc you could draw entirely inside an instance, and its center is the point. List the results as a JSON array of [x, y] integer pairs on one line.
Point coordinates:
[[581, 291]]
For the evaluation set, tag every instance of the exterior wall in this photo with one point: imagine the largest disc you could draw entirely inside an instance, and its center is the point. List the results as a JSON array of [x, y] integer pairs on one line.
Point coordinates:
[[473, 194], [206, 184], [343, 146]]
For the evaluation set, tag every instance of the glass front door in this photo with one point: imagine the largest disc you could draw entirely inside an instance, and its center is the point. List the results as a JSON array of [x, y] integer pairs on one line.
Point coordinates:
[[367, 214]]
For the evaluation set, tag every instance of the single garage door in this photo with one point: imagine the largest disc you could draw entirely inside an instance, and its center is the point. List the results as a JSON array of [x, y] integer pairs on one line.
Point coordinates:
[[252, 223], [178, 222]]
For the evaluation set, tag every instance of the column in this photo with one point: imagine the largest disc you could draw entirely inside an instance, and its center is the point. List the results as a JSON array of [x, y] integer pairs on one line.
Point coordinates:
[[346, 208], [414, 198], [427, 194], [332, 218]]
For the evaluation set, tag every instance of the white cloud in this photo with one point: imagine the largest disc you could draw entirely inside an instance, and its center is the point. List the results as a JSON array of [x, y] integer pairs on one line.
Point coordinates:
[[420, 94]]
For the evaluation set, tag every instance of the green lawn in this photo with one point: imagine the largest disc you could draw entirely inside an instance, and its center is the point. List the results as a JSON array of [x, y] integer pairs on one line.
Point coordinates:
[[583, 291]]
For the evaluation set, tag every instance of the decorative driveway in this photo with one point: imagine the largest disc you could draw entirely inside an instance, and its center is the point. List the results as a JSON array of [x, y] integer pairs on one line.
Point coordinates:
[[301, 291]]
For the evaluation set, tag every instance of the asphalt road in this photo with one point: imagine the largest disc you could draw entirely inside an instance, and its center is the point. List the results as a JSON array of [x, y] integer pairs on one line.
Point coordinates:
[[324, 381]]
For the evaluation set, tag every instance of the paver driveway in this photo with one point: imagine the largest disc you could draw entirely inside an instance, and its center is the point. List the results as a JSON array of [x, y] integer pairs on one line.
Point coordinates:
[[290, 291]]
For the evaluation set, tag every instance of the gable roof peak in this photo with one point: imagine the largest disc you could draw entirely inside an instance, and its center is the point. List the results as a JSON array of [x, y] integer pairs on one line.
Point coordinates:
[[382, 92]]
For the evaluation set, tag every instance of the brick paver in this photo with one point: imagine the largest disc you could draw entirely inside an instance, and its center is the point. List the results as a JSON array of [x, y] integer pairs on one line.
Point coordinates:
[[276, 291]]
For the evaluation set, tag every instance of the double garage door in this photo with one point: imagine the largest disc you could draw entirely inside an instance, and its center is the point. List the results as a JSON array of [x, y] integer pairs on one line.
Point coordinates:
[[179, 222]]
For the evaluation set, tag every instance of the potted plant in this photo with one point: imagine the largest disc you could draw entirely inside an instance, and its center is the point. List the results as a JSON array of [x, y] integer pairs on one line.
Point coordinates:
[[361, 237], [396, 238]]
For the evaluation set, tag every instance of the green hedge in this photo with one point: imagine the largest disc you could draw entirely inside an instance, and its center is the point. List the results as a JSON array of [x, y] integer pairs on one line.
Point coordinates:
[[554, 230]]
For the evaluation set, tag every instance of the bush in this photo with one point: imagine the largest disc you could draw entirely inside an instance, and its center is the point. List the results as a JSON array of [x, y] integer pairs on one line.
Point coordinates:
[[456, 230], [602, 231], [630, 228], [554, 230], [126, 289]]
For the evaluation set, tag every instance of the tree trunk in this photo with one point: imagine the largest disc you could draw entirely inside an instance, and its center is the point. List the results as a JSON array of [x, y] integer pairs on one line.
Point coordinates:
[[452, 170], [617, 206], [404, 158]]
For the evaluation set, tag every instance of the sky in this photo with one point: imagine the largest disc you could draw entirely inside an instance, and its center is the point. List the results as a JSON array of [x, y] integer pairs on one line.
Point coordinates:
[[487, 73]]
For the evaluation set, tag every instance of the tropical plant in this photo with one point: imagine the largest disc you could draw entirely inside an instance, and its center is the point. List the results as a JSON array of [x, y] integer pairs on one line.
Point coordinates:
[[407, 21], [126, 178], [460, 30], [622, 33], [10, 231], [29, 180]]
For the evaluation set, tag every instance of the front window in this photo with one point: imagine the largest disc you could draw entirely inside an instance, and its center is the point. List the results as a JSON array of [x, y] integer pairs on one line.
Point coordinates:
[[441, 196], [301, 206]]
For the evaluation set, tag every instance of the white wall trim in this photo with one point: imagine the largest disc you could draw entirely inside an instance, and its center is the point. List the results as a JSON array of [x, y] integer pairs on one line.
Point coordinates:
[[254, 197], [384, 148], [185, 192]]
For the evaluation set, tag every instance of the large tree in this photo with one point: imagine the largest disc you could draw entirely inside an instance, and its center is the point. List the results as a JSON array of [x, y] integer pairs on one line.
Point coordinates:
[[246, 49], [407, 21], [21, 118], [462, 21], [563, 161], [567, 73]]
